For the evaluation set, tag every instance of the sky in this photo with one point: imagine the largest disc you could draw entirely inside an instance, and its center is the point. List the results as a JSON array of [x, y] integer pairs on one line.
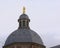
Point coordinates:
[[44, 16]]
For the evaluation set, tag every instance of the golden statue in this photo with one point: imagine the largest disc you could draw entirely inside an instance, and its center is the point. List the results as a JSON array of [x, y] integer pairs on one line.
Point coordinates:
[[24, 10]]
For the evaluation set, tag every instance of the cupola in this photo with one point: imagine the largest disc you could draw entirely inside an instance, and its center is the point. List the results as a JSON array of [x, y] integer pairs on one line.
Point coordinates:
[[24, 20]]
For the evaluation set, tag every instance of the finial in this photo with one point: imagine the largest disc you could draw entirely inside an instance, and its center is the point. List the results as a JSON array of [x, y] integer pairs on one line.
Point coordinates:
[[24, 10]]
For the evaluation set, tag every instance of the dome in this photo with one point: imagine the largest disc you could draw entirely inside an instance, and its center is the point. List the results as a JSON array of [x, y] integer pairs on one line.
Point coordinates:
[[24, 16], [23, 35]]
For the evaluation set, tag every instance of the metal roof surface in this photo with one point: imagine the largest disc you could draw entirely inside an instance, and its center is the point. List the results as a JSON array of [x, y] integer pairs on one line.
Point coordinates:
[[23, 35], [23, 16]]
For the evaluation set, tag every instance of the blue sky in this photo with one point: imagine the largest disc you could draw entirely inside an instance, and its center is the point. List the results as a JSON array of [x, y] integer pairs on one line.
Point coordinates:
[[44, 15]]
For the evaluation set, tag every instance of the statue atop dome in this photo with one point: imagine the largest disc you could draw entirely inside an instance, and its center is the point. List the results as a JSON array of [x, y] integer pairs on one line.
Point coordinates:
[[24, 9]]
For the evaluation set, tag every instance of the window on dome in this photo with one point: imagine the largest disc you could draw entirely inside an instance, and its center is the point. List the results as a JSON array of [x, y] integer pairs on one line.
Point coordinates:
[[27, 23], [20, 23], [23, 23]]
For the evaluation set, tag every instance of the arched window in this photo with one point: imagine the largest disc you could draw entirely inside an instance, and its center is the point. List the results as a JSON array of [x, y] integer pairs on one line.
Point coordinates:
[[23, 23], [27, 23], [20, 23]]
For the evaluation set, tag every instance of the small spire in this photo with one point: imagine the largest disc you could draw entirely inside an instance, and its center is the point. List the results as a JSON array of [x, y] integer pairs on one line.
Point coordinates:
[[24, 10]]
